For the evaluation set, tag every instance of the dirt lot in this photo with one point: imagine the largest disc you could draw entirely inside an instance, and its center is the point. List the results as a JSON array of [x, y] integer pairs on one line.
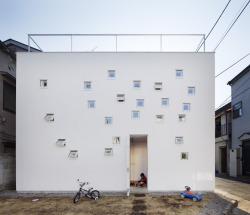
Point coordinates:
[[135, 204]]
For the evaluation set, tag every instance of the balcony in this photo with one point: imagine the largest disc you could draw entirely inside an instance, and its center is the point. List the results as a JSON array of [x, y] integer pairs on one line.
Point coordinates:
[[223, 131]]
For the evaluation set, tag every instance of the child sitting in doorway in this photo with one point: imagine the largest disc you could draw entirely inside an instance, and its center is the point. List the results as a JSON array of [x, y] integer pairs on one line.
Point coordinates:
[[142, 181]]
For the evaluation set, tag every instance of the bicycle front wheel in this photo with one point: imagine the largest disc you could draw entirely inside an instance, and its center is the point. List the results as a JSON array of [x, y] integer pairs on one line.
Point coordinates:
[[95, 194], [77, 197]]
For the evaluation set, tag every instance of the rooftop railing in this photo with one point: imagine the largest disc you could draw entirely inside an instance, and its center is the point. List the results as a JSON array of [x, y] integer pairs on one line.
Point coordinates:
[[119, 42]]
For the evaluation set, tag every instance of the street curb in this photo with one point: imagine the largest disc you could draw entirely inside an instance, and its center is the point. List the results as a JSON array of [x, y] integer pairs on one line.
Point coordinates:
[[228, 209]]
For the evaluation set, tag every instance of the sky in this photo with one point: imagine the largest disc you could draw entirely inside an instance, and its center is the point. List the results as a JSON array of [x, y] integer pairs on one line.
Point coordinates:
[[22, 17]]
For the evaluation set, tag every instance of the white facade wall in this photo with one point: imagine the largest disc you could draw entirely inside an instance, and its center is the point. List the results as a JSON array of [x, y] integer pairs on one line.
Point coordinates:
[[42, 166]]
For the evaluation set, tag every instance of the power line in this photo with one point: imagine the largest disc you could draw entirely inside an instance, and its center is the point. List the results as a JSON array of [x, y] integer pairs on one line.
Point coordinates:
[[232, 65], [200, 45], [231, 26], [232, 94]]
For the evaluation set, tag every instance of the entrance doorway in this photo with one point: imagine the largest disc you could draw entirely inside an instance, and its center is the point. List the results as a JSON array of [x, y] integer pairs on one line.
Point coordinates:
[[246, 158], [224, 160], [138, 158]]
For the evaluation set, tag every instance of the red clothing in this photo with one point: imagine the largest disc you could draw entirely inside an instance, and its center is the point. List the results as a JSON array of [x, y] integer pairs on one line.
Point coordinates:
[[144, 179]]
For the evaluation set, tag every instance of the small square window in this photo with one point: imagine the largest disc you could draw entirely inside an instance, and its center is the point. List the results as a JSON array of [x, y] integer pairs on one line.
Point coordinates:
[[135, 114], [43, 83], [108, 120], [116, 140], [137, 84], [184, 155], [87, 85], [178, 139], [186, 106], [182, 117], [73, 154], [140, 102], [179, 73], [91, 104], [49, 117], [120, 98], [108, 152], [164, 102], [158, 85], [61, 142], [191, 90], [159, 118], [111, 74]]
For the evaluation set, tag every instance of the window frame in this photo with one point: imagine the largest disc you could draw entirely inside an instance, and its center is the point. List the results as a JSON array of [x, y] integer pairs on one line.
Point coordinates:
[[132, 114], [10, 88], [115, 142], [106, 120], [42, 80], [135, 81], [193, 92], [164, 105], [189, 105], [110, 72], [89, 106], [137, 102], [178, 70], [121, 96], [180, 118], [106, 150], [186, 156], [157, 119], [61, 142], [237, 112], [179, 142], [49, 116], [71, 154], [85, 84], [160, 84]]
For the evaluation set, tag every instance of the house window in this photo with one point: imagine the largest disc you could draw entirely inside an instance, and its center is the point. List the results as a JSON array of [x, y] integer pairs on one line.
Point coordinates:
[[108, 120], [73, 154], [159, 118], [108, 152], [91, 104], [139, 102], [178, 139], [184, 155], [49, 117], [111, 74], [191, 90], [179, 73], [120, 97], [186, 106], [61, 142], [9, 97], [164, 102], [182, 118], [137, 84], [158, 85], [87, 85], [135, 114], [116, 140], [43, 83], [237, 110]]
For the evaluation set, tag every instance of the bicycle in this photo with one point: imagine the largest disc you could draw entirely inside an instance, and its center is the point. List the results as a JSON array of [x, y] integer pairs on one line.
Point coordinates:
[[90, 193]]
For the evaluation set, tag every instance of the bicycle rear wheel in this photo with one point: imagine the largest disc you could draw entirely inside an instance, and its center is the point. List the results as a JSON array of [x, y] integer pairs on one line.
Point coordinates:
[[77, 197], [95, 194]]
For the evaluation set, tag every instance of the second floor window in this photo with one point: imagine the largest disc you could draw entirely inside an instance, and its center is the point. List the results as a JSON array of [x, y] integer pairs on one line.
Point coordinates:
[[137, 84], [237, 110], [87, 85]]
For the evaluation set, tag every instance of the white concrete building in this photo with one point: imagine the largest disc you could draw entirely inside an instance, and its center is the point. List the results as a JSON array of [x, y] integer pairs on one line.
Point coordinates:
[[121, 114]]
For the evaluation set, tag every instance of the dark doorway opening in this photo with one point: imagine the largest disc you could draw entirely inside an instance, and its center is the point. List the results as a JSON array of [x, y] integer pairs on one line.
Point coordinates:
[[246, 158]]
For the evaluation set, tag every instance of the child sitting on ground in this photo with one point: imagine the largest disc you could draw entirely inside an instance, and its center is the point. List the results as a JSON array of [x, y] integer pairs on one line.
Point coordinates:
[[142, 181]]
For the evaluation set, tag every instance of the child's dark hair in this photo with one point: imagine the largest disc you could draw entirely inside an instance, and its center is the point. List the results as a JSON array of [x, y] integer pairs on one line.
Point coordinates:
[[142, 174]]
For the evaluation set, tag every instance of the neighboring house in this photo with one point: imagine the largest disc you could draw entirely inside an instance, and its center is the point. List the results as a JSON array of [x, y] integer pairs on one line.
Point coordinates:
[[107, 117], [223, 133], [240, 152], [8, 111], [7, 117]]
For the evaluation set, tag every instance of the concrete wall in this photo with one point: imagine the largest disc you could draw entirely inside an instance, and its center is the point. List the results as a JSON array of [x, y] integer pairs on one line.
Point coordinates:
[[42, 166], [7, 171]]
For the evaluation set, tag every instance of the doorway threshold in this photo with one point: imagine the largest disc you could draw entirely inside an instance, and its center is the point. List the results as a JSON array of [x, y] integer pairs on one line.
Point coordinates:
[[138, 190]]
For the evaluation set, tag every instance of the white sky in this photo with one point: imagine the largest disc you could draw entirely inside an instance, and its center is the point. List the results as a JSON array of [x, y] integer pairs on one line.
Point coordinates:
[[21, 17]]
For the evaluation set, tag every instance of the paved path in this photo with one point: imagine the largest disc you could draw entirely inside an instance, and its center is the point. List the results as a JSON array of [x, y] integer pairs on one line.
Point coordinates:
[[234, 190]]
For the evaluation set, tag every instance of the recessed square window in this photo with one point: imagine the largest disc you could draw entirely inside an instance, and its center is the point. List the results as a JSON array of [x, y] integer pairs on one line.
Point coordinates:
[[87, 85], [184, 155], [91, 104], [108, 152], [108, 120], [139, 102], [43, 83], [135, 114], [159, 118], [158, 85], [137, 84], [120, 98], [111, 73], [61, 142], [178, 139], [164, 101], [179, 73], [73, 154], [182, 117], [116, 140], [191, 90], [186, 106], [49, 117]]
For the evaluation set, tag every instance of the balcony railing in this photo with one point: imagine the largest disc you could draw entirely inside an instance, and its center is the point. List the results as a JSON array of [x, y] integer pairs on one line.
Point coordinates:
[[223, 130]]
